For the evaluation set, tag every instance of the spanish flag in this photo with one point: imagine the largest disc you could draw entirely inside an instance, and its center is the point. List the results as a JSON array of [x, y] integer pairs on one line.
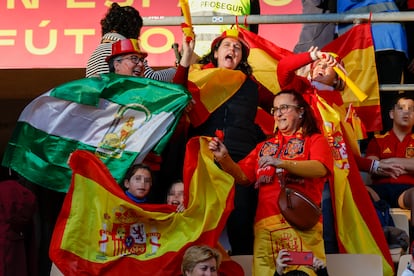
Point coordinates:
[[204, 84], [358, 126], [356, 49], [358, 228], [100, 231]]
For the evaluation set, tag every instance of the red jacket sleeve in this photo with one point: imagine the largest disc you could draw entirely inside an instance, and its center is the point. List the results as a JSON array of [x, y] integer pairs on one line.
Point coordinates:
[[364, 164], [286, 71], [181, 75]]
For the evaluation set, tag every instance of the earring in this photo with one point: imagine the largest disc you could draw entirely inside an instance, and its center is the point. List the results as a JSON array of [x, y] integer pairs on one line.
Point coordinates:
[[300, 116]]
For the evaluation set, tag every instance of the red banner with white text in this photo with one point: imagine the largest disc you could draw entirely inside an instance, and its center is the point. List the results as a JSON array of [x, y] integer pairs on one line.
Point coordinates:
[[63, 33]]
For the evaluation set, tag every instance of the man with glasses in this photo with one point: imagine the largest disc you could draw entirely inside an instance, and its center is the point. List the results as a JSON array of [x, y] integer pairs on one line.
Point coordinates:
[[396, 145], [126, 58]]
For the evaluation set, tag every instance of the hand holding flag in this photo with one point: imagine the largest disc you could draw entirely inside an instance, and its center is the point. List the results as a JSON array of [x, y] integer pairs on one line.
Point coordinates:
[[187, 26]]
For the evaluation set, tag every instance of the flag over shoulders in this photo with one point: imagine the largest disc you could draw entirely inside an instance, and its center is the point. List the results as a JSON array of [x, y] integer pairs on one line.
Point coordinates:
[[100, 231], [204, 84], [119, 118]]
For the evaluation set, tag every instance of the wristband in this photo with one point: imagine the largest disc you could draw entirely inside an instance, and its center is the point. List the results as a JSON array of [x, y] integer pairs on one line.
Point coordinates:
[[374, 167]]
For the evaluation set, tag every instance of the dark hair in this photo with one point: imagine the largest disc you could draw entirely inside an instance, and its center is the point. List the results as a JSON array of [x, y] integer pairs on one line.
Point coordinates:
[[405, 96], [124, 20], [296, 273], [111, 64], [309, 122], [242, 66], [132, 170], [171, 185]]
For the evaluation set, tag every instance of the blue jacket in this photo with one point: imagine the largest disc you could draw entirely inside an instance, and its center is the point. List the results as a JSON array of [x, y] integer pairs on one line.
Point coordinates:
[[386, 36]]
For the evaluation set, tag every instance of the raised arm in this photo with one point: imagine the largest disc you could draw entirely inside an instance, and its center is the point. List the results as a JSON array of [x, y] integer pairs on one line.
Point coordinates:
[[221, 155]]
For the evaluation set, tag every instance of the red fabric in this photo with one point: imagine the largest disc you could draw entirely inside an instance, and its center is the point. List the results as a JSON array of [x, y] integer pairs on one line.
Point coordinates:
[[364, 164], [367, 210], [230, 268], [314, 148], [181, 75], [387, 146], [358, 38], [17, 207]]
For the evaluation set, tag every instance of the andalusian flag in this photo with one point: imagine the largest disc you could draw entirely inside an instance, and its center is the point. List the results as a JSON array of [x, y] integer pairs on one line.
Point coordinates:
[[100, 231], [118, 118]]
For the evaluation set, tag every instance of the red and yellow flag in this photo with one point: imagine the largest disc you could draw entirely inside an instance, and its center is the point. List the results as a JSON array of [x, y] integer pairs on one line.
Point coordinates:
[[356, 50], [264, 58], [204, 84], [100, 231], [358, 126], [358, 228]]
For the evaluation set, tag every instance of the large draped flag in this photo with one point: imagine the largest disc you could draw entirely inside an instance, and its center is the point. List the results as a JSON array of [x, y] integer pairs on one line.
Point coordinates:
[[356, 222], [118, 118], [356, 49], [357, 225], [204, 84], [100, 231]]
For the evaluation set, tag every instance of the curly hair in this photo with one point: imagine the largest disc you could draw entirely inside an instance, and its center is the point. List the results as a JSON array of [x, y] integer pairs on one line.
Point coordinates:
[[124, 20]]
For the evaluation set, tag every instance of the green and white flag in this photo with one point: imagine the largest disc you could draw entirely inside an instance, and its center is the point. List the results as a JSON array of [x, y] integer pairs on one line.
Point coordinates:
[[119, 118]]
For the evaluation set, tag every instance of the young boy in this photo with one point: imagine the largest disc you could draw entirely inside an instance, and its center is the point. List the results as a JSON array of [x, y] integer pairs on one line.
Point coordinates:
[[138, 182]]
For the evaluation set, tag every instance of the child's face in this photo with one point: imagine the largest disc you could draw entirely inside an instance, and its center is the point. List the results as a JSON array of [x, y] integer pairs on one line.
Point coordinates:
[[139, 184], [176, 194], [323, 73]]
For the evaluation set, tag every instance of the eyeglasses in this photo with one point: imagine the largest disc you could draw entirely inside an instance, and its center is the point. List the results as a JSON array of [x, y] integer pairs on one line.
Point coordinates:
[[133, 59], [283, 108], [402, 108]]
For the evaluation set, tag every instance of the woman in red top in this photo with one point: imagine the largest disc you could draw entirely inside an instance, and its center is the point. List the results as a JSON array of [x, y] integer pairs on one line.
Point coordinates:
[[300, 155], [322, 90]]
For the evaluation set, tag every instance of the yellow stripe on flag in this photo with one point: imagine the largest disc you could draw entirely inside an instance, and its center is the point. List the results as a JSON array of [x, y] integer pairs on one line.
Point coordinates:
[[352, 230], [360, 64], [216, 85], [264, 69]]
